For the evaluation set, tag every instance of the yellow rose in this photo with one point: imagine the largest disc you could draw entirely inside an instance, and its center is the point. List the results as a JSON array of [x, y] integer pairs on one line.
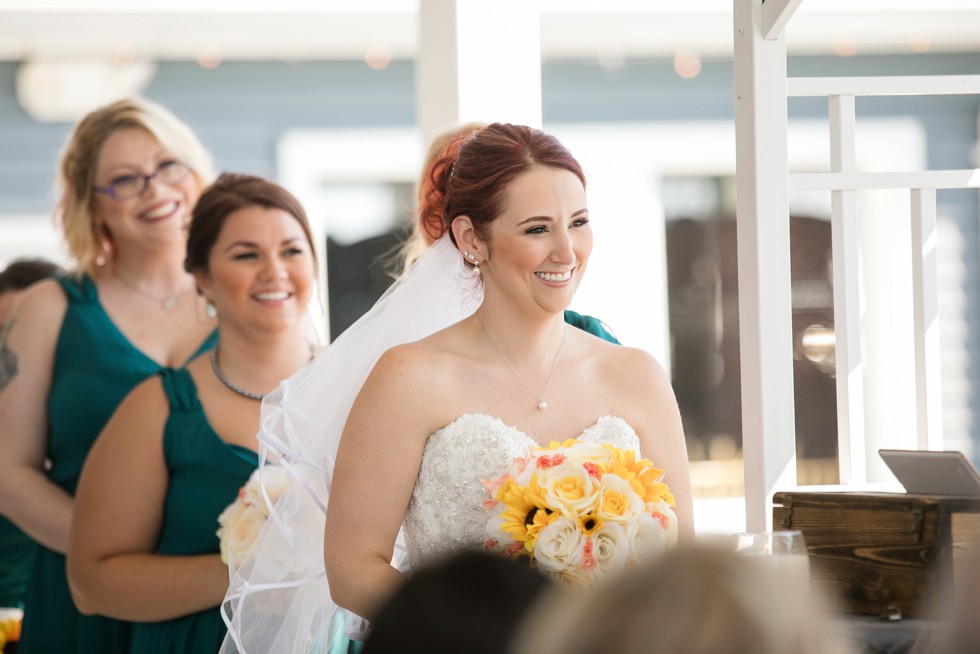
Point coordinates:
[[570, 490], [618, 500]]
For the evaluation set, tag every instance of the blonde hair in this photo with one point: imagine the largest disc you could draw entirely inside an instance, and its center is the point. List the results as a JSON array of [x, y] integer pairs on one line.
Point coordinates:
[[74, 213], [694, 599]]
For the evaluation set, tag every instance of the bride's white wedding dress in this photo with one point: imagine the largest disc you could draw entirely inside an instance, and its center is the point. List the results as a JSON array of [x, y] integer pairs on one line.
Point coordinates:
[[446, 511], [278, 599]]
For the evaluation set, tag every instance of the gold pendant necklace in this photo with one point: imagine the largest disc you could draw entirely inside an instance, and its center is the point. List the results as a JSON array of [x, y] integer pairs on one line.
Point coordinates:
[[542, 405]]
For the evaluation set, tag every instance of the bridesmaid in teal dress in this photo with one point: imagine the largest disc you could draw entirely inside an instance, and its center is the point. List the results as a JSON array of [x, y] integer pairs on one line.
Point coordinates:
[[130, 174], [175, 454]]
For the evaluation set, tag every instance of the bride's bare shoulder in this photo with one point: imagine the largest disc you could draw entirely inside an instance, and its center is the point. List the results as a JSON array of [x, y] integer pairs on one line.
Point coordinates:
[[439, 355]]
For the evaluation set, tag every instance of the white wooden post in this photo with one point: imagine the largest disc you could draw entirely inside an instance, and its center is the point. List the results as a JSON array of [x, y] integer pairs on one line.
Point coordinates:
[[762, 213], [477, 61], [847, 310], [925, 321]]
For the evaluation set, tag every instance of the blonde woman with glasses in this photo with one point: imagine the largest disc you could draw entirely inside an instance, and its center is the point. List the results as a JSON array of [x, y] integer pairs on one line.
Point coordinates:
[[129, 176]]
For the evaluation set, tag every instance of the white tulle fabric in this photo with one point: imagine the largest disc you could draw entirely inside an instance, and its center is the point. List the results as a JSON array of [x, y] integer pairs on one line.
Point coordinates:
[[446, 511], [278, 599]]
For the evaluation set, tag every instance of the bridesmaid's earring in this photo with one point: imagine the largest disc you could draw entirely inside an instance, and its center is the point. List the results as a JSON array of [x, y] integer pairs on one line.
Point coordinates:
[[209, 310]]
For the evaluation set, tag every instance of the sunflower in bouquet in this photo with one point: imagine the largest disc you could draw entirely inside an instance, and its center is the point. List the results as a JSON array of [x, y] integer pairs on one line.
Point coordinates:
[[580, 510], [10, 623]]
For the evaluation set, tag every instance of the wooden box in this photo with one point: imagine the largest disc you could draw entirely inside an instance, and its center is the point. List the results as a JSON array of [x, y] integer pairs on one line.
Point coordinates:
[[886, 554]]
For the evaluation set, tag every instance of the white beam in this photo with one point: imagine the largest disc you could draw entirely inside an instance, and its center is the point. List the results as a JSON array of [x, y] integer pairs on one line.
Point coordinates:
[[800, 87], [852, 181], [478, 61], [775, 15], [762, 211]]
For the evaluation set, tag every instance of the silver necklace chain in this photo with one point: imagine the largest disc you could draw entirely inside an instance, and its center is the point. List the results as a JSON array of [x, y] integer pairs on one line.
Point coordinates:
[[227, 382], [168, 302], [542, 405]]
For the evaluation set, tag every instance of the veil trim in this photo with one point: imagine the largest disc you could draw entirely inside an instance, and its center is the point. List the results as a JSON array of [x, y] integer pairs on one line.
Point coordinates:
[[278, 600]]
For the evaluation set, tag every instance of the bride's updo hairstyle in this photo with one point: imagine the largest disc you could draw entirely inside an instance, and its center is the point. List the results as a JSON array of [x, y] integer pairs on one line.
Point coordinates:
[[473, 174]]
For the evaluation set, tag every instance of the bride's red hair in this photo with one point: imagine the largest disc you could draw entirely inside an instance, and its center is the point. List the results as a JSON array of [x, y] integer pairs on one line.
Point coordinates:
[[475, 168]]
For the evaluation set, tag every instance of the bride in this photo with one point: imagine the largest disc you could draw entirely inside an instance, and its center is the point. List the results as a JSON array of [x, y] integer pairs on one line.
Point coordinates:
[[476, 365]]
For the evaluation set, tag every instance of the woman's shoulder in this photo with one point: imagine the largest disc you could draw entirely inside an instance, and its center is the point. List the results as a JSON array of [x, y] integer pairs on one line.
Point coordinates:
[[36, 318], [44, 300], [427, 355], [629, 368]]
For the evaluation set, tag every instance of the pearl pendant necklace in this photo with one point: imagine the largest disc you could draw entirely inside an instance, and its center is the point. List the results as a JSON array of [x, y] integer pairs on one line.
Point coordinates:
[[542, 405]]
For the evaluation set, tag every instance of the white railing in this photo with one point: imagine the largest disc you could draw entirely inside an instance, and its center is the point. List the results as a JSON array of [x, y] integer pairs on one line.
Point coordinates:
[[762, 89], [843, 181]]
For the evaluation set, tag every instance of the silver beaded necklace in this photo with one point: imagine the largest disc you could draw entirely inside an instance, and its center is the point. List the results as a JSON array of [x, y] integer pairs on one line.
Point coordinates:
[[542, 405], [227, 382]]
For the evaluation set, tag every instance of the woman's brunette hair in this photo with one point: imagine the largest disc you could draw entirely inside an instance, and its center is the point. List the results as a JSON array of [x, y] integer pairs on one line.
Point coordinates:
[[229, 193]]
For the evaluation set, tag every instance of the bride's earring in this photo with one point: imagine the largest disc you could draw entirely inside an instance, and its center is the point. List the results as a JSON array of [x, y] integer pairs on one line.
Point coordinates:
[[472, 259]]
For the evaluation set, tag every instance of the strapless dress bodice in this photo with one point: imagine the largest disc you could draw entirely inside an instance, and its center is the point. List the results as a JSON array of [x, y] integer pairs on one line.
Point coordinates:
[[446, 510]]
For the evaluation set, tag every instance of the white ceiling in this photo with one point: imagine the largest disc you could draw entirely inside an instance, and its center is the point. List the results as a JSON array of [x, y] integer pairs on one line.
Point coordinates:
[[121, 30]]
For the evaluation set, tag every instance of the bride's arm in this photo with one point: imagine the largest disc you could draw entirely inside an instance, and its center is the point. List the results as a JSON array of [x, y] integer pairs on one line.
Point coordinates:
[[377, 464], [657, 422]]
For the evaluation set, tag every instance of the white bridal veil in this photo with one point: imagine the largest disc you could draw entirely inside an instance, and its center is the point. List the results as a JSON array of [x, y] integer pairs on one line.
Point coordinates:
[[278, 599]]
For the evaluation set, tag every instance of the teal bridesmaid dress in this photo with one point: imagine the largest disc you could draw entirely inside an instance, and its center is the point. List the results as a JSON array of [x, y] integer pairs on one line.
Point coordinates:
[[95, 367]]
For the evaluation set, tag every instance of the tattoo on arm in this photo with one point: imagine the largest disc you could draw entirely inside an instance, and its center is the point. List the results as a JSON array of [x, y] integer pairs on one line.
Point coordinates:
[[8, 360]]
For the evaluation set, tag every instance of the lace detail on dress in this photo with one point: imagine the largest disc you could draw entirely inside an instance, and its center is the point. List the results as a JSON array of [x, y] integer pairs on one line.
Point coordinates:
[[446, 511]]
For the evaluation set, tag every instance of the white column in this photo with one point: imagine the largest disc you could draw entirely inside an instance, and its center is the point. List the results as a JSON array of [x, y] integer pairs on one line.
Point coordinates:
[[847, 297], [478, 61], [762, 210], [925, 320]]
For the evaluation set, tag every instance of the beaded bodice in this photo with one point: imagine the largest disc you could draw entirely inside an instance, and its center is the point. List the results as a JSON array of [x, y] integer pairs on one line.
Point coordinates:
[[446, 509]]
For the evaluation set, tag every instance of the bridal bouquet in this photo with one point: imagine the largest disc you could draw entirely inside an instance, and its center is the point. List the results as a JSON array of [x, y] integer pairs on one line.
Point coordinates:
[[10, 623], [580, 510], [242, 520]]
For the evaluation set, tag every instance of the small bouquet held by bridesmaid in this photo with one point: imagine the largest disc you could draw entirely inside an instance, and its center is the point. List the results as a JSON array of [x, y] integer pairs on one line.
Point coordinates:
[[580, 510], [243, 519]]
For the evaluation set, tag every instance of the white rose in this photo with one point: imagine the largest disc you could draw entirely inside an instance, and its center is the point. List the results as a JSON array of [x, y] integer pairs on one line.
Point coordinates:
[[576, 577], [231, 514], [618, 501], [274, 478], [237, 538], [581, 452], [661, 511], [609, 548], [646, 538], [559, 546]]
